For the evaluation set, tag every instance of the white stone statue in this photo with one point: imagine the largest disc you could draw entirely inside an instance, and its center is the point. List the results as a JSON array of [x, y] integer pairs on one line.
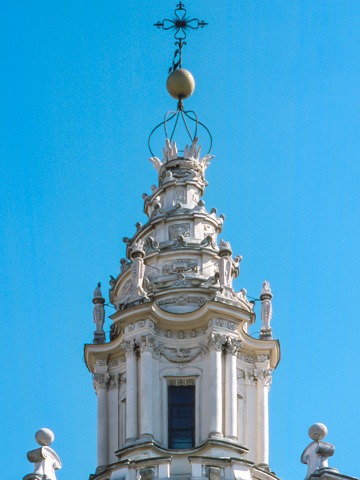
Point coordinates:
[[266, 311], [137, 266], [136, 291], [316, 454], [45, 459], [99, 315], [228, 266]]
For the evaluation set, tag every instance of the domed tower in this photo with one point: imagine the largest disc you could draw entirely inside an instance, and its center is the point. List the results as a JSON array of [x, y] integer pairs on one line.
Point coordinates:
[[182, 389]]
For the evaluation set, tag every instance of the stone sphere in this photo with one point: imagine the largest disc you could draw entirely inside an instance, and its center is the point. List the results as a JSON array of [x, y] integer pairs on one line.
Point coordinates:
[[318, 431], [44, 437], [180, 84]]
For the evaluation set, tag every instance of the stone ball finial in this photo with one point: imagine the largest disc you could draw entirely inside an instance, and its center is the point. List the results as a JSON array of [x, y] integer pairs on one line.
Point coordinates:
[[180, 84], [317, 432], [44, 437]]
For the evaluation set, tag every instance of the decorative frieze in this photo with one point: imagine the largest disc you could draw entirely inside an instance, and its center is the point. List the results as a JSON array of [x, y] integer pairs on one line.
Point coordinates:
[[183, 335], [179, 229], [219, 322], [246, 358], [180, 265], [180, 354]]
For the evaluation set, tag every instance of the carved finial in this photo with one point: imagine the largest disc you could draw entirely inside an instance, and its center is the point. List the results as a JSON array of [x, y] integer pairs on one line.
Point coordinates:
[[316, 454], [99, 315], [138, 249], [97, 291], [224, 248], [266, 311], [45, 458]]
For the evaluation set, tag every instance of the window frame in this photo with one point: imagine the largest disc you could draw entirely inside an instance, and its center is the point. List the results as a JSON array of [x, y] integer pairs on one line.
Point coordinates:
[[181, 383]]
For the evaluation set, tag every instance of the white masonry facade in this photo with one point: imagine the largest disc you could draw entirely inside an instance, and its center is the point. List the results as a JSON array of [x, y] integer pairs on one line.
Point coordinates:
[[182, 388]]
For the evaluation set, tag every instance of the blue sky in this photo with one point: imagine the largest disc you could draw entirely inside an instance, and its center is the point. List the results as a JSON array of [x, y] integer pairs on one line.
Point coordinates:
[[81, 87]]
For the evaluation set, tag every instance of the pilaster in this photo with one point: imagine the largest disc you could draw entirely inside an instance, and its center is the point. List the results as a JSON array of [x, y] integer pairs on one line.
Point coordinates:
[[101, 381]]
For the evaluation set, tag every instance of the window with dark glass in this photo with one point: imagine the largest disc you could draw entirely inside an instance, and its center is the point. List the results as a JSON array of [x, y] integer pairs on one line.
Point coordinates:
[[181, 404]]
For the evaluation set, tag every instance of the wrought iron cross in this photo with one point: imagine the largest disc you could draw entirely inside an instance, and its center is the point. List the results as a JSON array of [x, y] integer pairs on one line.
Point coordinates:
[[180, 23]]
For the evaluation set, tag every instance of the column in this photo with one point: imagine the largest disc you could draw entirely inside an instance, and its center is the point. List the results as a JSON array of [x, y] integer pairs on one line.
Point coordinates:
[[146, 380], [101, 385], [131, 395], [113, 412], [215, 394], [231, 418], [264, 381]]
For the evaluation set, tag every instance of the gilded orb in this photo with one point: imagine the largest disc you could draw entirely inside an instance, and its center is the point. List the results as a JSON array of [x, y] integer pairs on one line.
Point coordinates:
[[180, 84]]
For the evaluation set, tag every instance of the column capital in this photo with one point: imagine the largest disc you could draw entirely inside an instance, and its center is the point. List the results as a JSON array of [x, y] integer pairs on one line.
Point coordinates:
[[263, 376], [232, 345], [147, 343], [101, 381], [129, 347], [114, 381], [216, 342]]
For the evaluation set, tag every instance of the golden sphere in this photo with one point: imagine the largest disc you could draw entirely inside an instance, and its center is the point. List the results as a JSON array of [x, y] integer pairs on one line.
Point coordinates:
[[180, 84]]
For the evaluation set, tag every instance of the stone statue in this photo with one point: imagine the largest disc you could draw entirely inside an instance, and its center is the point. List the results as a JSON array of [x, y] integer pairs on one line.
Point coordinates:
[[45, 458], [266, 311], [135, 292], [228, 266], [137, 266], [99, 315]]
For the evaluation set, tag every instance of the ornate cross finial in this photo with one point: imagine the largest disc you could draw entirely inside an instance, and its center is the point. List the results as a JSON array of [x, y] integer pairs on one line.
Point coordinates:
[[180, 23]]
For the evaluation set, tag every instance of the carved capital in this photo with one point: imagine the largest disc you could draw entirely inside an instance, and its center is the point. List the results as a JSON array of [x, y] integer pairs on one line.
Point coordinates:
[[216, 341], [129, 347], [114, 381], [264, 376], [147, 343], [101, 381], [232, 345]]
